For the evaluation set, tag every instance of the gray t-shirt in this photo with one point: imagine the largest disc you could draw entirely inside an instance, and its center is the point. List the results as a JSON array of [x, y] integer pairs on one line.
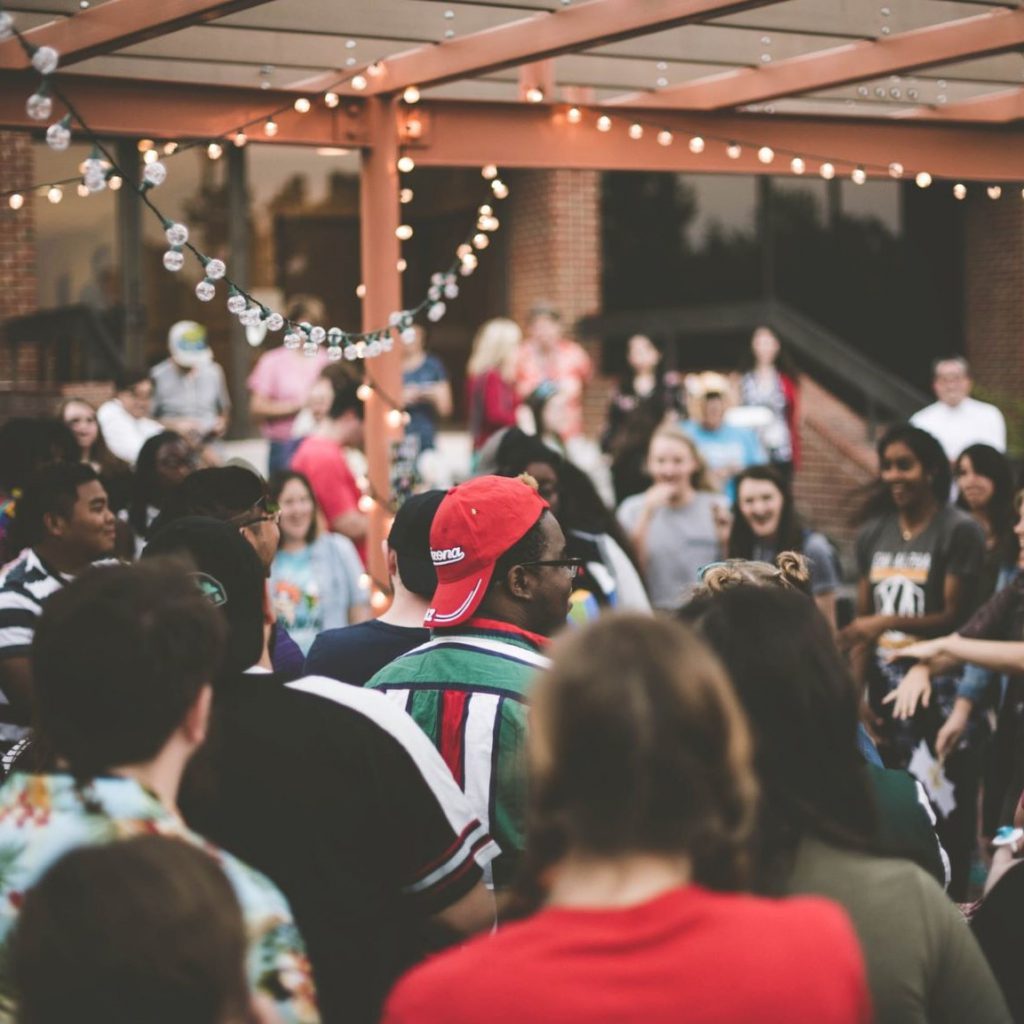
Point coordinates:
[[679, 541]]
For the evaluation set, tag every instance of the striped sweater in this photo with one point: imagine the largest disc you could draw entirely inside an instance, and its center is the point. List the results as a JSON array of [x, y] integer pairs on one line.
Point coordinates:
[[466, 688]]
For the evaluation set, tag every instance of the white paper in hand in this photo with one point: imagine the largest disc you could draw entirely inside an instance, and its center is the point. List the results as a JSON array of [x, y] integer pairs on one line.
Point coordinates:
[[929, 772]]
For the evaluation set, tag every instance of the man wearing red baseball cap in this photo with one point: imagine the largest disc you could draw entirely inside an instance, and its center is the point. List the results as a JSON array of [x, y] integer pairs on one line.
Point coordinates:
[[503, 585]]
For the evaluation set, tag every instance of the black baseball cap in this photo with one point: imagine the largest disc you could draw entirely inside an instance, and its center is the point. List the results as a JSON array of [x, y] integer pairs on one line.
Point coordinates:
[[230, 575], [410, 541]]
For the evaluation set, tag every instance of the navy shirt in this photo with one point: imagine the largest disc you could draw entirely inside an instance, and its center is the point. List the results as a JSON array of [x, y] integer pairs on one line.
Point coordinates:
[[422, 415], [352, 654]]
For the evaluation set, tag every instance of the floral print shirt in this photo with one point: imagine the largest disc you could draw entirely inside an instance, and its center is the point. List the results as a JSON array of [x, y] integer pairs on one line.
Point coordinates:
[[42, 817]]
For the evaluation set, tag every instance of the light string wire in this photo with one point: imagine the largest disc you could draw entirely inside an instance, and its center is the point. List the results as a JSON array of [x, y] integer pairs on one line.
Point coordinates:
[[351, 345]]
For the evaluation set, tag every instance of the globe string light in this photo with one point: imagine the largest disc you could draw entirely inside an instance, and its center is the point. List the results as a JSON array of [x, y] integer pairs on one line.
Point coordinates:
[[339, 344]]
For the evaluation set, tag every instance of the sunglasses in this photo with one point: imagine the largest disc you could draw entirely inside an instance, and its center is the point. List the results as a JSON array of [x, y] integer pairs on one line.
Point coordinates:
[[263, 511], [571, 565]]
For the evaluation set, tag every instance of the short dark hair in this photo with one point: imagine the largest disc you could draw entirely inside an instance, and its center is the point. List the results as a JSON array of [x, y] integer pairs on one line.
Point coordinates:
[[146, 929], [803, 709], [346, 399], [644, 750], [118, 658], [128, 376], [528, 548], [51, 491], [26, 443], [145, 483], [221, 492]]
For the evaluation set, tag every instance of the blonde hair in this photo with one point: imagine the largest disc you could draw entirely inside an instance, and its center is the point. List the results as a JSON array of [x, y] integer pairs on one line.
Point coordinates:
[[790, 572], [494, 343], [699, 479]]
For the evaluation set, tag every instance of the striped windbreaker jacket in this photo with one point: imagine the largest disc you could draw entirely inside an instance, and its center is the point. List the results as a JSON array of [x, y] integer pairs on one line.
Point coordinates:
[[466, 688]]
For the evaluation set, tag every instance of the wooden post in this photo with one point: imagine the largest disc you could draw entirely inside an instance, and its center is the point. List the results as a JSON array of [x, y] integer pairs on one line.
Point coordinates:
[[380, 252]]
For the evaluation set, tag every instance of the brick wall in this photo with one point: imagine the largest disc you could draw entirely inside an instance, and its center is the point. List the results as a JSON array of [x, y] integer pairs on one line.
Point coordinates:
[[17, 245], [994, 303], [838, 462]]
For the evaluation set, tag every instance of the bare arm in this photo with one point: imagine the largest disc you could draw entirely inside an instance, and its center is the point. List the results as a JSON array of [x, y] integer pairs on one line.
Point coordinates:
[[353, 524], [267, 408], [472, 913]]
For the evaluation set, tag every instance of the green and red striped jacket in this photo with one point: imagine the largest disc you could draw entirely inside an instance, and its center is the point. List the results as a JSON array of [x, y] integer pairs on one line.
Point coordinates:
[[466, 688]]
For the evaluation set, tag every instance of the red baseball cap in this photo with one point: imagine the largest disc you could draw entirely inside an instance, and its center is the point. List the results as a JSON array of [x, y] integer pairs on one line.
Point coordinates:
[[475, 524]]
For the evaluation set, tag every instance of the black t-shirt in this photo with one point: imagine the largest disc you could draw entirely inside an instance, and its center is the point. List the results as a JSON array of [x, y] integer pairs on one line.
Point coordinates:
[[354, 654], [335, 794]]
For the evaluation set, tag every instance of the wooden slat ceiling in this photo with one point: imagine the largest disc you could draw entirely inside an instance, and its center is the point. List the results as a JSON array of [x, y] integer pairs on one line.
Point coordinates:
[[285, 42]]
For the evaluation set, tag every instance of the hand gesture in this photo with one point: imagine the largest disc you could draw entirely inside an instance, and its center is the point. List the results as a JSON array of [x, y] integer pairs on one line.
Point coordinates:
[[915, 686]]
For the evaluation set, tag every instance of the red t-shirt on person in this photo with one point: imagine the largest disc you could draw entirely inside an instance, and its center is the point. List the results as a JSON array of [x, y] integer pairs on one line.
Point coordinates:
[[688, 956], [324, 465]]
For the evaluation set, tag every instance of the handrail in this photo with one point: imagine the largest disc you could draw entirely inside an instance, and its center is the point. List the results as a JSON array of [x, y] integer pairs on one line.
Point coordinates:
[[815, 347]]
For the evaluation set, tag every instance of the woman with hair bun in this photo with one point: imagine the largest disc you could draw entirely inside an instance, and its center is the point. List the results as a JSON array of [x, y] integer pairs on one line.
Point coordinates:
[[631, 856]]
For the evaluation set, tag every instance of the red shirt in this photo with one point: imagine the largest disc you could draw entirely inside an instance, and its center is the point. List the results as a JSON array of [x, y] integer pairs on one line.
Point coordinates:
[[324, 465], [688, 956]]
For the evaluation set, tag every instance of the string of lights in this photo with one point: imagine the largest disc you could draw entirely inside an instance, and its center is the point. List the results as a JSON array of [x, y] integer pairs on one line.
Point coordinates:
[[101, 170]]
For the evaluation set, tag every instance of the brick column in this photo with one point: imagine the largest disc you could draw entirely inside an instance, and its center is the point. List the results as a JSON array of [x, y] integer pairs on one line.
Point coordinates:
[[994, 300], [19, 294], [554, 242]]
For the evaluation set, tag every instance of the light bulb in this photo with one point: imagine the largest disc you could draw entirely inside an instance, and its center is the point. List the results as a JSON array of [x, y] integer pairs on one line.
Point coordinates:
[[144, 145], [766, 154], [205, 290], [214, 150], [177, 234], [302, 105], [292, 340], [994, 191], [240, 138], [405, 195], [733, 150], [6, 25], [270, 128], [363, 392], [58, 136], [236, 304], [923, 179], [895, 170], [797, 165], [411, 94], [360, 291], [827, 171], [275, 322], [499, 188], [401, 265], [215, 269], [489, 171], [317, 335], [534, 95], [696, 144], [250, 316], [636, 131], [169, 148], [16, 201], [55, 194], [174, 260], [481, 241], [406, 164], [334, 353], [150, 156], [82, 189], [115, 182], [45, 60], [310, 349], [858, 176], [358, 82], [404, 232], [155, 173], [604, 123], [664, 138], [379, 600], [414, 127], [436, 311], [332, 99], [573, 115], [39, 106], [960, 191]]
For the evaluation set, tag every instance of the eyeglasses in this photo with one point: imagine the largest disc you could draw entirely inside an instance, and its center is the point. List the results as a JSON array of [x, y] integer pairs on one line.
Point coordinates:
[[571, 565], [264, 511]]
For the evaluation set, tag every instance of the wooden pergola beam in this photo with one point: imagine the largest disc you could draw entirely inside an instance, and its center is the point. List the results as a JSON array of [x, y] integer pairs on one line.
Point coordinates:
[[462, 133], [166, 110], [116, 24], [996, 108], [977, 36], [535, 38]]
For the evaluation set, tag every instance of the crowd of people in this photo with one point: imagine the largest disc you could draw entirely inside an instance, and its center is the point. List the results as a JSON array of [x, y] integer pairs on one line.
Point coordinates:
[[614, 750]]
